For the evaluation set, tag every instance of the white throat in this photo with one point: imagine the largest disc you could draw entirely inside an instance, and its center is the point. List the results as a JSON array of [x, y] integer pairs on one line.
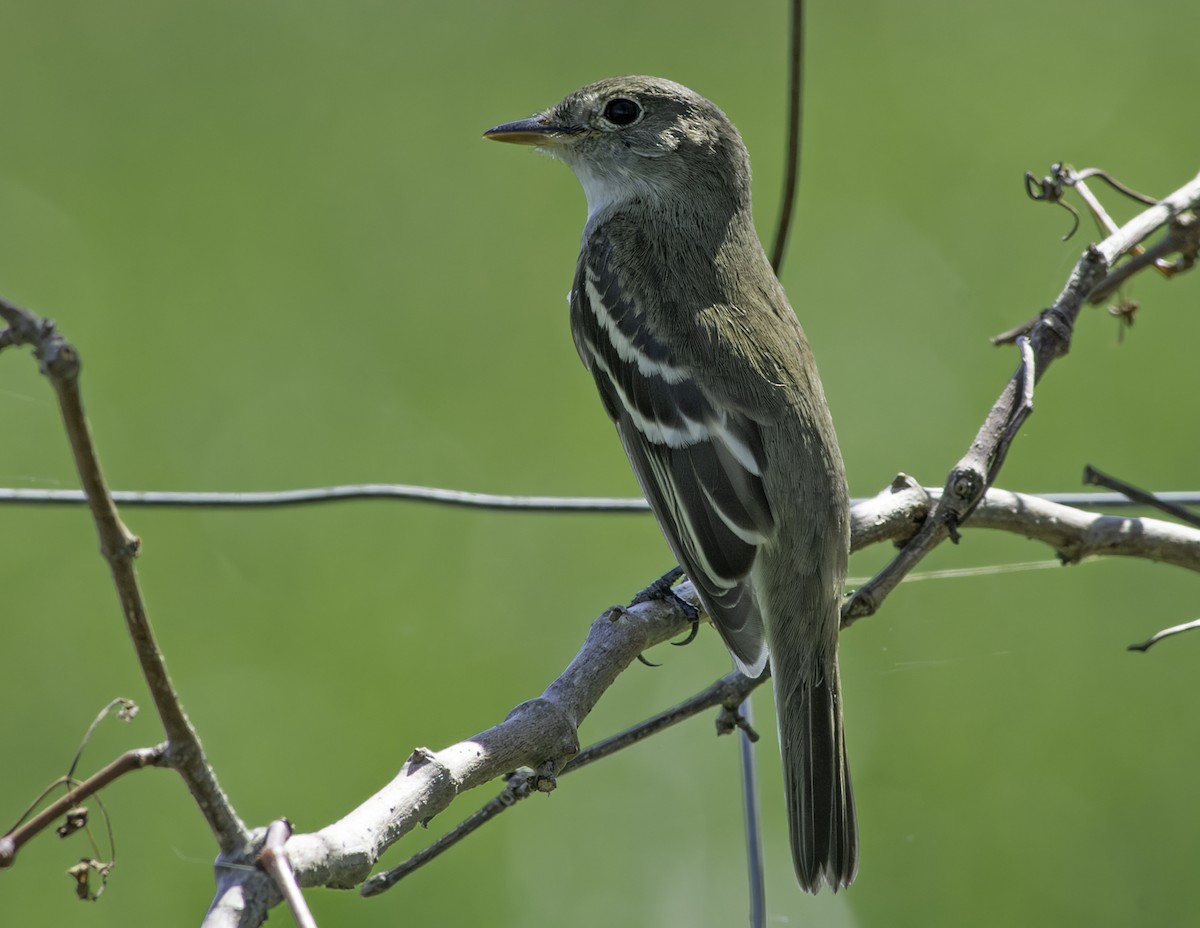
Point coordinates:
[[601, 190]]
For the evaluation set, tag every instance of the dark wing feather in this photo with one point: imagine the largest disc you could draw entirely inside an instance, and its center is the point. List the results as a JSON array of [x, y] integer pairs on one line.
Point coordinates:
[[699, 462]]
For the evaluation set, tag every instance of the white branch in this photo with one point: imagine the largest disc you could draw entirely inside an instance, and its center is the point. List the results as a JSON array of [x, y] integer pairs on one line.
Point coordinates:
[[543, 733], [897, 513]]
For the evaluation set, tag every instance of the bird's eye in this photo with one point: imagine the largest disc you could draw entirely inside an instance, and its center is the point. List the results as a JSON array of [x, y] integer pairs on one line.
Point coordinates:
[[622, 111]]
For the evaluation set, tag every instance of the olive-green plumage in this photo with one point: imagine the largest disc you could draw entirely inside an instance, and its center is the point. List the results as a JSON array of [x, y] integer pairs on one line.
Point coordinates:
[[706, 373]]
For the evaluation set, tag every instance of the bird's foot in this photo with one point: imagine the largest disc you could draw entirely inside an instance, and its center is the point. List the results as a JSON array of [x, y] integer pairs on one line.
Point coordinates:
[[663, 589]]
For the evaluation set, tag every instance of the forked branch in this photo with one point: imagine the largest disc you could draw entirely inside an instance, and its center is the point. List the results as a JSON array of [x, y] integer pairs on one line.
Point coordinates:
[[1048, 339], [60, 363]]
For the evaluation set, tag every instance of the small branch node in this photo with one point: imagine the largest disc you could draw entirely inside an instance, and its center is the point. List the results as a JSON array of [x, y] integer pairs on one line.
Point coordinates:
[[859, 605], [420, 757], [730, 719], [545, 778], [966, 486], [73, 820], [517, 788], [1054, 325]]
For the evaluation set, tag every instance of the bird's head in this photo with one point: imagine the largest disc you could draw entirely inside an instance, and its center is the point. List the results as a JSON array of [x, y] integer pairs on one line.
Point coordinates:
[[639, 138]]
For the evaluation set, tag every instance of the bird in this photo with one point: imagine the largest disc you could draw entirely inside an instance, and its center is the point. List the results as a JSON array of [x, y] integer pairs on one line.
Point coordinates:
[[706, 373]]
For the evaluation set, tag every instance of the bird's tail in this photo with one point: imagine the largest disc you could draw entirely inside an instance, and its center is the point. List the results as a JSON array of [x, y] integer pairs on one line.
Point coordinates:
[[824, 828]]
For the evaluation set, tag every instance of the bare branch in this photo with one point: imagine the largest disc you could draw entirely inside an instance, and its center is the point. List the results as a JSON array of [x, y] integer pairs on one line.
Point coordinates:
[[540, 733], [1098, 478], [1165, 633], [1075, 535], [273, 858], [136, 759], [729, 692], [1049, 339], [899, 513], [60, 363], [539, 737], [518, 787]]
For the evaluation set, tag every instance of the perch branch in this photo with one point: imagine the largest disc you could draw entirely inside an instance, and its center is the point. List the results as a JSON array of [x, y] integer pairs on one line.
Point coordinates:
[[729, 692], [540, 734], [539, 737]]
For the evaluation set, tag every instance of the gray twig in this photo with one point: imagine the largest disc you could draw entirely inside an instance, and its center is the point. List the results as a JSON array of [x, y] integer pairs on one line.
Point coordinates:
[[1049, 340], [1098, 478], [273, 859]]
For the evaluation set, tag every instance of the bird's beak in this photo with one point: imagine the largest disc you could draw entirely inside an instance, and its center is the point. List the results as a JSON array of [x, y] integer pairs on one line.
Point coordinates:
[[536, 130]]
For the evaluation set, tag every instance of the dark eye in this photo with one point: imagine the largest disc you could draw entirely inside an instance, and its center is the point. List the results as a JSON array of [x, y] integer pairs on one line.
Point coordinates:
[[622, 111]]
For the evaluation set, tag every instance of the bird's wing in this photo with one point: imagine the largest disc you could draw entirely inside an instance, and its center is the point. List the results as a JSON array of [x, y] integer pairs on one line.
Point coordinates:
[[699, 461]]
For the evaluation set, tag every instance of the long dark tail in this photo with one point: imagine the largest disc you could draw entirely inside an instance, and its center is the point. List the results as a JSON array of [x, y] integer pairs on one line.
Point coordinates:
[[821, 817]]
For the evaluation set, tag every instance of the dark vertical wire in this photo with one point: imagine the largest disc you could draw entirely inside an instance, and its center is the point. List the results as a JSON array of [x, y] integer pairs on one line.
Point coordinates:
[[755, 868], [795, 117], [753, 816]]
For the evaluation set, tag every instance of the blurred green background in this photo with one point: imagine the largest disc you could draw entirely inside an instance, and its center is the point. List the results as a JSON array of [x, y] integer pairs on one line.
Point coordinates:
[[289, 260]]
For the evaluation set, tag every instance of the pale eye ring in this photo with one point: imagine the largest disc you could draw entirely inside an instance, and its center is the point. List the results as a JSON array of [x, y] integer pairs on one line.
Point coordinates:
[[622, 111]]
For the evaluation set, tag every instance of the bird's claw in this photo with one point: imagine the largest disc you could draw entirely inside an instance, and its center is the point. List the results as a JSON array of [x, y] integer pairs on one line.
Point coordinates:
[[663, 589]]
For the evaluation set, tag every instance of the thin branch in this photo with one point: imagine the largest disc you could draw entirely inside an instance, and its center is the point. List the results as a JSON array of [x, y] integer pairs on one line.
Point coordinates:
[[1165, 633], [729, 691], [137, 759], [60, 363], [1028, 375], [518, 787], [1050, 339], [1097, 478], [126, 710], [1182, 239], [795, 122], [273, 859], [1076, 535], [1117, 500], [899, 513], [1105, 222]]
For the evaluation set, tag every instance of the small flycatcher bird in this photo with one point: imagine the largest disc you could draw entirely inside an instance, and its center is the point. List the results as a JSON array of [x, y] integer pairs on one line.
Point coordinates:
[[706, 373]]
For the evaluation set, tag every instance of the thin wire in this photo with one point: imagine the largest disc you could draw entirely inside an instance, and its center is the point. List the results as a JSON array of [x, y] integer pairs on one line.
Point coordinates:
[[795, 119], [955, 573], [752, 815], [180, 499], [336, 494]]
